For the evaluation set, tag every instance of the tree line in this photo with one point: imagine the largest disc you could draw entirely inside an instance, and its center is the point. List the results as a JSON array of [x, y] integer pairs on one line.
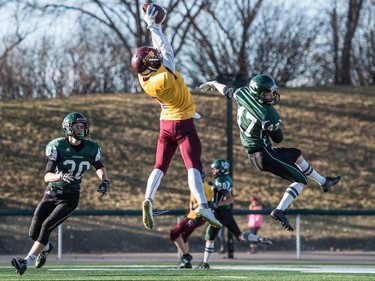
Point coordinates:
[[59, 48]]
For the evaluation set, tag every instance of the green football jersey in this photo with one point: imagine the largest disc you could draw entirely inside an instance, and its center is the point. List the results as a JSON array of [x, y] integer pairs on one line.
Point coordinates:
[[222, 185], [255, 120], [71, 161]]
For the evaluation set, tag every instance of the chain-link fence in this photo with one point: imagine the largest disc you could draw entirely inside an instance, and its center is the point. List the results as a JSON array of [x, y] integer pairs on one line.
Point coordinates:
[[123, 232]]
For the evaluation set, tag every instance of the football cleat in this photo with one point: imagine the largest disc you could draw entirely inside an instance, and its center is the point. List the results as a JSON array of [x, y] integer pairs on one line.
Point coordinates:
[[329, 183], [42, 257], [148, 219], [207, 214], [203, 265], [264, 240], [186, 258], [20, 265], [185, 261], [185, 265], [280, 216]]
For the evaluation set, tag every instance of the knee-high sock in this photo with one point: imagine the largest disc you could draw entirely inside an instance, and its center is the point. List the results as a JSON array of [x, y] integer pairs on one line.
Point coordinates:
[[208, 250], [196, 185], [290, 194], [310, 172], [153, 183]]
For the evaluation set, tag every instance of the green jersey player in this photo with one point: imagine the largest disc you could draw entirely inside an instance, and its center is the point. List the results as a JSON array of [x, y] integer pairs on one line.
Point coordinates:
[[259, 123], [69, 158], [221, 203]]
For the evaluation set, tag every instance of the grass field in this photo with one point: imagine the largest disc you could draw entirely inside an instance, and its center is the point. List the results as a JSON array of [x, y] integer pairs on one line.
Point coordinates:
[[165, 272]]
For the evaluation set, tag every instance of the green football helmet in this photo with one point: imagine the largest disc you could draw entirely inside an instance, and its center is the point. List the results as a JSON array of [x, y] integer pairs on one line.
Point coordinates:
[[222, 167], [262, 84], [70, 120]]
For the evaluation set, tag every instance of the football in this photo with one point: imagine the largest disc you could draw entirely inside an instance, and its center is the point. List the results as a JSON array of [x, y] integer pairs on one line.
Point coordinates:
[[162, 13]]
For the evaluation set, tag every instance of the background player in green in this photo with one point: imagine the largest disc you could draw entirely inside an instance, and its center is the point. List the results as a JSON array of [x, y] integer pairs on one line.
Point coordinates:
[[259, 122], [221, 203], [69, 158]]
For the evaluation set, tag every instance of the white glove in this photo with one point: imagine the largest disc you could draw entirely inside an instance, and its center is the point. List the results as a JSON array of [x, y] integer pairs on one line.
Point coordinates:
[[150, 15], [208, 86], [66, 177], [197, 116]]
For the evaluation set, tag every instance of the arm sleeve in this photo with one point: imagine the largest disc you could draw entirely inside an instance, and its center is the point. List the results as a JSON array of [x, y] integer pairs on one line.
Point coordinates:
[[277, 136], [51, 166], [160, 41]]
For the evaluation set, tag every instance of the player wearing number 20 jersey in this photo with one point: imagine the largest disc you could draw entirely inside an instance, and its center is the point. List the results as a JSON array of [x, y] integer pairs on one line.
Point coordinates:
[[68, 159], [73, 160]]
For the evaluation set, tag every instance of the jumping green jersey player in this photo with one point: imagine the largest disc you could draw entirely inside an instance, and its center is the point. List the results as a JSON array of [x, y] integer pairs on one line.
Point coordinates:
[[259, 123]]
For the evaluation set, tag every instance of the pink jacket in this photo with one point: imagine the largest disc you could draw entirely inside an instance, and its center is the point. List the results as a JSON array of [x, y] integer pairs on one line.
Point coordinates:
[[255, 220]]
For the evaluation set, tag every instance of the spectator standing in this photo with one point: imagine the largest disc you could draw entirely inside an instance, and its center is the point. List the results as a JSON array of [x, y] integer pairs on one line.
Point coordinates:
[[254, 221]]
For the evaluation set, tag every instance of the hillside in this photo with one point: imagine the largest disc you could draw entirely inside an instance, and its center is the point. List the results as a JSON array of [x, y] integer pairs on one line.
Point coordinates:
[[332, 126]]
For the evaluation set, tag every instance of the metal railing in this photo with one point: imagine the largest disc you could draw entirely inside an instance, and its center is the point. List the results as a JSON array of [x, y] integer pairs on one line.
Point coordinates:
[[121, 231]]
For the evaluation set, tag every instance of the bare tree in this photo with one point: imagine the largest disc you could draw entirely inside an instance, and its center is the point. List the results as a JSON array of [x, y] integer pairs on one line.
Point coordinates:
[[351, 26], [340, 52], [252, 37], [226, 39], [363, 55]]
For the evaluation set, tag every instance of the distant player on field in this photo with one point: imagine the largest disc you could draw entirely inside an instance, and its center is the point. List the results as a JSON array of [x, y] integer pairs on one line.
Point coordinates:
[[259, 123], [69, 158], [181, 232], [159, 79], [221, 203]]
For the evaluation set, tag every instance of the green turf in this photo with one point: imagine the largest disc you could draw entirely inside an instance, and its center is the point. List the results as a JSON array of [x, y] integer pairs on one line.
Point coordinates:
[[165, 272]]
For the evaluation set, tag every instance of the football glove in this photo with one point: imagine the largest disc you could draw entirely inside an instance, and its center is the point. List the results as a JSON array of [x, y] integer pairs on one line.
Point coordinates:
[[150, 15], [208, 86], [103, 188], [66, 177]]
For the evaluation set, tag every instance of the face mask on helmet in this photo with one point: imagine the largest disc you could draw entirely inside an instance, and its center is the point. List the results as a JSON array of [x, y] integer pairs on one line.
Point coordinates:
[[264, 89], [146, 60], [220, 167], [71, 128]]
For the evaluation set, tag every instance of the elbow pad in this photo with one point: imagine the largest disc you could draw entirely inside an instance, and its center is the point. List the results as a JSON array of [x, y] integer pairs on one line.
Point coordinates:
[[229, 91]]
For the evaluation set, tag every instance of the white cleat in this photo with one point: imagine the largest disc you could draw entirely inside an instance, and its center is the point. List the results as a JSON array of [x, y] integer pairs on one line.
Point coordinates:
[[148, 219], [207, 214]]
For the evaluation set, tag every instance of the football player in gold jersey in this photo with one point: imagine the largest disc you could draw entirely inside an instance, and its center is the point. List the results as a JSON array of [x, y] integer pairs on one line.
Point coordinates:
[[158, 77]]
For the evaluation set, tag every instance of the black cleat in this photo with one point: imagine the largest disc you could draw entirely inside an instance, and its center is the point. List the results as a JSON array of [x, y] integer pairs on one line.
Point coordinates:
[[280, 216], [203, 265], [329, 183], [42, 257], [265, 241], [186, 265], [20, 265], [185, 261]]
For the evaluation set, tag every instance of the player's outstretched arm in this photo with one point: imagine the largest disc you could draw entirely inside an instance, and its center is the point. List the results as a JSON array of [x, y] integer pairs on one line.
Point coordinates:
[[223, 89]]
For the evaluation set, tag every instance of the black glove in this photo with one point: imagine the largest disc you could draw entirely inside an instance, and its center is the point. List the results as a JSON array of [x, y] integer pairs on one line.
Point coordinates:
[[103, 188], [66, 177]]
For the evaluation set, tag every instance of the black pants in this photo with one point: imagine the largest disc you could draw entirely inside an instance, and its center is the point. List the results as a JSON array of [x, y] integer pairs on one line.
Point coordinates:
[[52, 211], [227, 220], [279, 161]]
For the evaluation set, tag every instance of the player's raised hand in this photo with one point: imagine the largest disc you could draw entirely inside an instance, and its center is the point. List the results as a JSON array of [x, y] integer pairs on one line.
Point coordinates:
[[149, 15], [208, 86]]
